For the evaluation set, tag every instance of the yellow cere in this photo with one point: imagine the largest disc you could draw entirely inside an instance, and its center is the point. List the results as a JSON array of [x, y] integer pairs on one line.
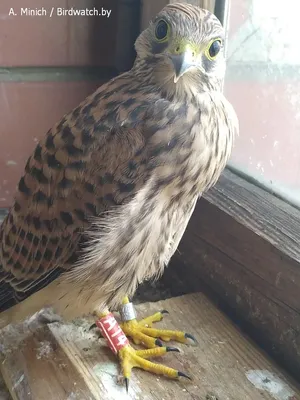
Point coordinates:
[[181, 45]]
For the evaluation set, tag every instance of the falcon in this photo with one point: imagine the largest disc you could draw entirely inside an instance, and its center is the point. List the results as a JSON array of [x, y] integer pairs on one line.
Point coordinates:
[[108, 192]]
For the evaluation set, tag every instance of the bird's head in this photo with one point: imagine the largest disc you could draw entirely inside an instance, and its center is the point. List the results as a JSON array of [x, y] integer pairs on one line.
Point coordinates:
[[184, 45]]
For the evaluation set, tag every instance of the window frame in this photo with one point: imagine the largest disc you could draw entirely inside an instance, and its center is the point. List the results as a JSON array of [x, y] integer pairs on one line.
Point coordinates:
[[255, 219], [243, 243]]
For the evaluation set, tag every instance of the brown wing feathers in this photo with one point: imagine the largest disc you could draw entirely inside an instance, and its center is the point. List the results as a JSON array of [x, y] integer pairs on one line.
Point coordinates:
[[80, 169]]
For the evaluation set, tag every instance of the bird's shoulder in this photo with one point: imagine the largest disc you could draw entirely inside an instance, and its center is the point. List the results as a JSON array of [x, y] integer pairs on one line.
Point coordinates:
[[91, 160]]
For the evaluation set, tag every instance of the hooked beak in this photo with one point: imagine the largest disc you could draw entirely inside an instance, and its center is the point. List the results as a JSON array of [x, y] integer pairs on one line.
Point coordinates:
[[183, 62]]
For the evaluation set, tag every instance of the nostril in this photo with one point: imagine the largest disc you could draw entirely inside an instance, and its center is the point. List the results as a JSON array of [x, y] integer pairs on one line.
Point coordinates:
[[177, 49]]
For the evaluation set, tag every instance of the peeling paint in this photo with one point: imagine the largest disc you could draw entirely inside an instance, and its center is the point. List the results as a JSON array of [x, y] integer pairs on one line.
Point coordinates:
[[44, 350], [269, 382]]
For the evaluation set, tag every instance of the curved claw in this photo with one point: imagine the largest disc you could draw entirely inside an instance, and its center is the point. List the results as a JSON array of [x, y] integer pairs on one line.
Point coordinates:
[[131, 358], [172, 349], [92, 327], [184, 375], [164, 312], [189, 336], [126, 384]]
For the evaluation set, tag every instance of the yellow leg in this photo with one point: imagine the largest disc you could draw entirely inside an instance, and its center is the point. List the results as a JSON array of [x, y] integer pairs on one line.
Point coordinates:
[[148, 321], [131, 358]]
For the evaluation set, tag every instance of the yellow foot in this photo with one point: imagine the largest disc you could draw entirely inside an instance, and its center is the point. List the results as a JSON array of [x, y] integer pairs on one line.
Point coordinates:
[[131, 358], [142, 332]]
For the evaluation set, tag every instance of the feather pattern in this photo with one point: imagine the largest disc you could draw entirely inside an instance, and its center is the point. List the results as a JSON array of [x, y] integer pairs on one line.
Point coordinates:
[[108, 192]]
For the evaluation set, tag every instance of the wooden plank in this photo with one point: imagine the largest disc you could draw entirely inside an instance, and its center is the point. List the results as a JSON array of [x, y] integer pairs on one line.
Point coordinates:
[[244, 243], [67, 361], [39, 369], [4, 393], [261, 212]]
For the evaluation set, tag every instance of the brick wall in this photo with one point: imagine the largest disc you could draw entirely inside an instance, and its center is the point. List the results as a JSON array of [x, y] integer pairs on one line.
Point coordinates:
[[48, 65]]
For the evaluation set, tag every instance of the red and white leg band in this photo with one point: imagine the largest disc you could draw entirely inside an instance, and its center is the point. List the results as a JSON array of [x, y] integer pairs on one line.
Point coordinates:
[[112, 332]]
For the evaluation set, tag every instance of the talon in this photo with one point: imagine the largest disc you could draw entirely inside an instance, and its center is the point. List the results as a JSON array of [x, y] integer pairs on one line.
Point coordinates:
[[189, 336], [143, 332], [98, 332], [127, 384], [92, 327], [131, 358], [172, 349], [151, 337], [184, 375]]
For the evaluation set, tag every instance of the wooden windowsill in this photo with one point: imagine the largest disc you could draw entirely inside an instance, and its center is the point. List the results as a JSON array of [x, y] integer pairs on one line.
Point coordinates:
[[66, 361], [243, 242]]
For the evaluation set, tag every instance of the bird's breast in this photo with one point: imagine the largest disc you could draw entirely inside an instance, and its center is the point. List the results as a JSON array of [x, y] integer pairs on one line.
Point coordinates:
[[206, 150]]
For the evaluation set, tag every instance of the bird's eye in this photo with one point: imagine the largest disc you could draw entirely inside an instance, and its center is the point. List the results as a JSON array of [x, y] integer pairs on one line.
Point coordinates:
[[161, 30], [214, 49]]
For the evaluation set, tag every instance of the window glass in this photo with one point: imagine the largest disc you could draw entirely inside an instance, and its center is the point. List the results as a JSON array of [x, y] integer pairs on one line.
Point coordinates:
[[263, 84]]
